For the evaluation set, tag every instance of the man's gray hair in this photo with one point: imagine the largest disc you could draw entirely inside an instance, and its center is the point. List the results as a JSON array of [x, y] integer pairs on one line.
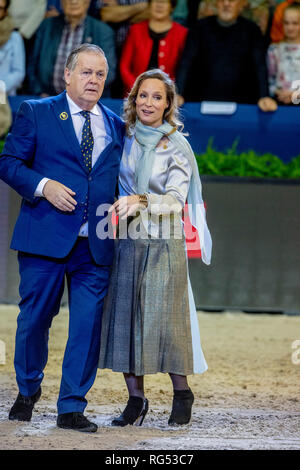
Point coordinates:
[[72, 59]]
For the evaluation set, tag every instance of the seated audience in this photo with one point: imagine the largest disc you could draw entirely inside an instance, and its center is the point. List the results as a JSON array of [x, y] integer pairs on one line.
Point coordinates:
[[225, 60], [154, 43], [55, 39], [277, 33], [284, 57], [12, 53]]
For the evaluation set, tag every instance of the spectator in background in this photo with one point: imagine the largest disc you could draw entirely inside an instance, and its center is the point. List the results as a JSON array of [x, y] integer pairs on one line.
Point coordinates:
[[224, 60], [277, 33], [56, 38], [284, 57], [120, 14], [12, 53], [27, 16], [54, 8], [154, 43], [255, 10]]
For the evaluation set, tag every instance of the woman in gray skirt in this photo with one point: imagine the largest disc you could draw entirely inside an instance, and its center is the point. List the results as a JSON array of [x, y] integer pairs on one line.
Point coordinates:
[[149, 321]]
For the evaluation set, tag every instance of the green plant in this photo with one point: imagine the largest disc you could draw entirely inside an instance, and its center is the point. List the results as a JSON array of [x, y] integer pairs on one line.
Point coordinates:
[[245, 164]]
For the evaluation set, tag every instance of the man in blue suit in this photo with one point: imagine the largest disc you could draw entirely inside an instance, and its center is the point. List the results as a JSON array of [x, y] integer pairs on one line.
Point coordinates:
[[63, 157]]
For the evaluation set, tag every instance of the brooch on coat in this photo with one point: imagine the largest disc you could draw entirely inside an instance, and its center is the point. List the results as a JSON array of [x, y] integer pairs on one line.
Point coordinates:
[[63, 116]]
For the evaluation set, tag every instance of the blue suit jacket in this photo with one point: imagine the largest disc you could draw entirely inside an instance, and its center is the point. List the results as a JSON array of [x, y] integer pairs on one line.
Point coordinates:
[[42, 144]]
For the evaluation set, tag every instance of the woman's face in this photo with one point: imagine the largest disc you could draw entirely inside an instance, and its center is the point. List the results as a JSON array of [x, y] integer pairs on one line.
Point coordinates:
[[151, 102], [291, 24], [160, 10]]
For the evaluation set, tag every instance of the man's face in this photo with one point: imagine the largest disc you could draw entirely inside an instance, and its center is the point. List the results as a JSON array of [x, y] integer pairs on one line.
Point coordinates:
[[229, 10], [75, 8], [86, 82]]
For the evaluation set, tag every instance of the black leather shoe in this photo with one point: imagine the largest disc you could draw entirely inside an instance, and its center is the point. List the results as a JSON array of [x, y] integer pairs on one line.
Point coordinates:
[[76, 421], [182, 407], [23, 407], [134, 413]]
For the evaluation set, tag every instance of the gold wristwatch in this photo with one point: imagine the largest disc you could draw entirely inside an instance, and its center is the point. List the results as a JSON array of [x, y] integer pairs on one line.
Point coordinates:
[[143, 199]]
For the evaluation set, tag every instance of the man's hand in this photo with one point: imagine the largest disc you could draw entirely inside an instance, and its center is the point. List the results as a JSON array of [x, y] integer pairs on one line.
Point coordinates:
[[143, 15], [285, 96], [59, 195], [267, 104], [115, 13]]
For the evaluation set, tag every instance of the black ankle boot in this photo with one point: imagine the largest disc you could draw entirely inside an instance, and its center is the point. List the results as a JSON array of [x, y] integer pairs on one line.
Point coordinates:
[[76, 421], [182, 407], [23, 407], [134, 413]]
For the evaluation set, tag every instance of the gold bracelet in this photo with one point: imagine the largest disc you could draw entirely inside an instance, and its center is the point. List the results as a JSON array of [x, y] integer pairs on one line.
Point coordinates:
[[143, 199]]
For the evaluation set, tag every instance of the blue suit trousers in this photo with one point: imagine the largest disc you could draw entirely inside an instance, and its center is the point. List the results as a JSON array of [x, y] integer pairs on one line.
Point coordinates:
[[41, 290]]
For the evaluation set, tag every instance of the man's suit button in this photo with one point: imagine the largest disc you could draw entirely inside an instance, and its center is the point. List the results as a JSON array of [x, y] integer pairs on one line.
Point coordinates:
[[90, 178]]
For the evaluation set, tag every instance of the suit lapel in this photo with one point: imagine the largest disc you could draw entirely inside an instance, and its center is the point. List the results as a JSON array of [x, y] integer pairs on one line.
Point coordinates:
[[63, 115], [64, 119]]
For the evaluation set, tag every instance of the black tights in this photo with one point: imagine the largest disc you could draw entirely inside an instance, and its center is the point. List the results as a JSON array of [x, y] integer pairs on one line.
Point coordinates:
[[135, 384]]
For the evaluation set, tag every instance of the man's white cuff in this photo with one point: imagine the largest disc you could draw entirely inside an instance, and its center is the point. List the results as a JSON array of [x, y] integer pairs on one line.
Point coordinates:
[[40, 188]]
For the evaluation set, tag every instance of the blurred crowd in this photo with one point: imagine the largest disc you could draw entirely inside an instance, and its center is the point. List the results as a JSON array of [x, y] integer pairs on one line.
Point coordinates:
[[247, 51]]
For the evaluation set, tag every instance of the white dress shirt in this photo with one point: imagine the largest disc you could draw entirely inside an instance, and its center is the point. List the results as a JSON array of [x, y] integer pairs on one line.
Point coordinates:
[[101, 140]]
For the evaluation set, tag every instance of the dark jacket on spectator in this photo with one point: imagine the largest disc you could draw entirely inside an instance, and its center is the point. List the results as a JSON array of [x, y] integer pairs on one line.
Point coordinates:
[[223, 63], [42, 61]]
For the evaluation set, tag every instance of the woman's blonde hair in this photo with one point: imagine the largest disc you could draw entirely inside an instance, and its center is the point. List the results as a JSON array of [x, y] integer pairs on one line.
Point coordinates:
[[171, 114]]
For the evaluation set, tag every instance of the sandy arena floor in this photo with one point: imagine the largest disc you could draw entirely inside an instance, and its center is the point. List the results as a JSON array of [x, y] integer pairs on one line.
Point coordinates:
[[248, 399]]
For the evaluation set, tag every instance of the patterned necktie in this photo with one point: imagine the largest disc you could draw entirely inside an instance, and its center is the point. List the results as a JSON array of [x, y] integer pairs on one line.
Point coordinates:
[[87, 140], [86, 146]]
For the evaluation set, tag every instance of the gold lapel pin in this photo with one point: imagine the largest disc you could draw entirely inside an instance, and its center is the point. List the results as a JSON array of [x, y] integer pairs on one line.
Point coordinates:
[[63, 116]]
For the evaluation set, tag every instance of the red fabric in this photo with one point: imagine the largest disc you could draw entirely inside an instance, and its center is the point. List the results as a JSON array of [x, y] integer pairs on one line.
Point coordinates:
[[191, 236], [137, 52]]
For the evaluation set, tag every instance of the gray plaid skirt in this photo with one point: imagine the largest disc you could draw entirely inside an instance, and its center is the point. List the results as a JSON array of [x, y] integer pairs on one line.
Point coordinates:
[[146, 319]]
